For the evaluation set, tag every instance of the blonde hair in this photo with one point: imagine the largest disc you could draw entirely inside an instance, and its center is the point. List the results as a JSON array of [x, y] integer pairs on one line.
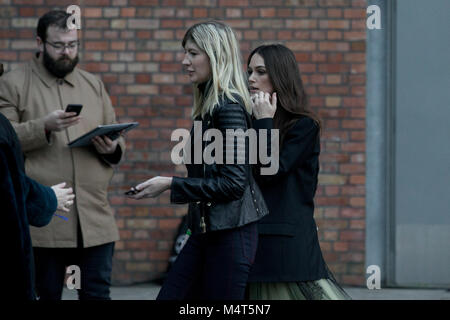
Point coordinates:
[[218, 41]]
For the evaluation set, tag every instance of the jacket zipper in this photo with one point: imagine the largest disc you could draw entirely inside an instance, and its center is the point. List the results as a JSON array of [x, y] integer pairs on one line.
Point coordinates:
[[202, 210]]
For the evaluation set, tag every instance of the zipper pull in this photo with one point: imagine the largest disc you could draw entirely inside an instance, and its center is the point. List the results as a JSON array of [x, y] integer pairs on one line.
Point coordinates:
[[203, 224]]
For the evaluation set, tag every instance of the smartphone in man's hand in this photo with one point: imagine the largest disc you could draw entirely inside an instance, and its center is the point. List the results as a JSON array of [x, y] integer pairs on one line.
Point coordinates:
[[132, 191], [74, 108]]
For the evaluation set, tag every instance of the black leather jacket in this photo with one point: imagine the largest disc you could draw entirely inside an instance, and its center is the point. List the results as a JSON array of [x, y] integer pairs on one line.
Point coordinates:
[[220, 196]]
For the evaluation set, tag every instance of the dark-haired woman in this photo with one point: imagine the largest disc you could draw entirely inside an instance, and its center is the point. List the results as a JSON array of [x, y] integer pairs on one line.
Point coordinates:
[[289, 263]]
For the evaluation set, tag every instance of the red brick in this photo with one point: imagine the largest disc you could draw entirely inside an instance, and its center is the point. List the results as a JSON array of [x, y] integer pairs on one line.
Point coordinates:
[[357, 202], [233, 3], [334, 13], [267, 12], [340, 246], [96, 45], [149, 3], [358, 46], [333, 90], [356, 179], [352, 257], [301, 13], [199, 13], [355, 13], [301, 24], [127, 12], [334, 46], [332, 201], [358, 135], [333, 113], [357, 224], [353, 146], [352, 235], [354, 102], [8, 55], [160, 255], [334, 35], [118, 45], [318, 13], [27, 12], [284, 12], [164, 12], [250, 13], [143, 78], [171, 24], [334, 24], [92, 13], [354, 35], [353, 124]]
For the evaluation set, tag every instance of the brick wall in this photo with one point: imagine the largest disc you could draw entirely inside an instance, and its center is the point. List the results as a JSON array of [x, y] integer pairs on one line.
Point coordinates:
[[134, 45]]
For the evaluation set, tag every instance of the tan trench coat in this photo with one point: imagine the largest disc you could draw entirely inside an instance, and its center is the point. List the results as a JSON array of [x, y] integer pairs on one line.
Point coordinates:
[[29, 93]]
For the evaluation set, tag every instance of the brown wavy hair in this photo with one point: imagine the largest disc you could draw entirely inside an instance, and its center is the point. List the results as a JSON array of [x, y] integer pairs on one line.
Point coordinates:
[[284, 75]]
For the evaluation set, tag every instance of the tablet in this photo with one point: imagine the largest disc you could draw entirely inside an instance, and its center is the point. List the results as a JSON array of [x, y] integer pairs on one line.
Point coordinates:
[[112, 131]]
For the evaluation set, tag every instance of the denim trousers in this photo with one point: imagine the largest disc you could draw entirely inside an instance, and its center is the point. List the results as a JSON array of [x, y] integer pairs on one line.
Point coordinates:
[[213, 266]]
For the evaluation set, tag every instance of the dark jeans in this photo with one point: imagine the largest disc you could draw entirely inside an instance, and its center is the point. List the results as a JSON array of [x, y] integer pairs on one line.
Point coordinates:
[[213, 266], [95, 267]]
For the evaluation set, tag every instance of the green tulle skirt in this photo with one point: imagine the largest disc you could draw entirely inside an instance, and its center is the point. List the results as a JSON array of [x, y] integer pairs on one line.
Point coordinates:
[[323, 289]]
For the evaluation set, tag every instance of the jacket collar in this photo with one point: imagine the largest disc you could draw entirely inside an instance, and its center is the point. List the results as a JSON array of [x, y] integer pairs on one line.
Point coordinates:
[[49, 79]]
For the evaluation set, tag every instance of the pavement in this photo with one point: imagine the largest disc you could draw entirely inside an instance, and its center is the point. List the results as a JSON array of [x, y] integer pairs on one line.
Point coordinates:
[[149, 291]]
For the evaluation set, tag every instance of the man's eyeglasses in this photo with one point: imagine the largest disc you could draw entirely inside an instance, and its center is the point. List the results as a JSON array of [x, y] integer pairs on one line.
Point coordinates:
[[60, 46]]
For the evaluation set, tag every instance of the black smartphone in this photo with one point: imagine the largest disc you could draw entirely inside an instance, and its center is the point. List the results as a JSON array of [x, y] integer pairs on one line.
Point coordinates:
[[131, 192], [74, 108]]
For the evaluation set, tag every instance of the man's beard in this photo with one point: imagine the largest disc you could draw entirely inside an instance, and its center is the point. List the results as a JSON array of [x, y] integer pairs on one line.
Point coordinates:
[[60, 67]]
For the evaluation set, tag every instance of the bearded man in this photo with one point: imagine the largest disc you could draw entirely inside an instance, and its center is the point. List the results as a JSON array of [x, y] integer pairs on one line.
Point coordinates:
[[34, 98]]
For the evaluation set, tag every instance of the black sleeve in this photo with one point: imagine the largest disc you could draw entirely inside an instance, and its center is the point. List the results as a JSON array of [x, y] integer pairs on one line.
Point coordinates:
[[297, 141], [232, 179], [20, 193], [113, 158]]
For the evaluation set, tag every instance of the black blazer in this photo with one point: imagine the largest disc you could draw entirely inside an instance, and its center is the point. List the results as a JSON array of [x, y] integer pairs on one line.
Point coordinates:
[[288, 248]]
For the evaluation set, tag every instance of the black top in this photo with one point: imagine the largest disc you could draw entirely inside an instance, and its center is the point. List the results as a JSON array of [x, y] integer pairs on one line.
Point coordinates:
[[288, 248], [23, 202]]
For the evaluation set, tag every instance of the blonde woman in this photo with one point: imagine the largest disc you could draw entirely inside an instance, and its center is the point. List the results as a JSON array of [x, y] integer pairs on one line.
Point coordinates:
[[224, 200]]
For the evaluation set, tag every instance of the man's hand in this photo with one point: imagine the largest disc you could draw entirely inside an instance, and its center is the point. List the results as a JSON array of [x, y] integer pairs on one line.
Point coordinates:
[[104, 145], [59, 120], [64, 196]]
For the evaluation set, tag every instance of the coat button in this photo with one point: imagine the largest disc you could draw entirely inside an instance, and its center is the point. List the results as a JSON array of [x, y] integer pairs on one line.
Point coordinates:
[[198, 202], [209, 204], [253, 192]]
